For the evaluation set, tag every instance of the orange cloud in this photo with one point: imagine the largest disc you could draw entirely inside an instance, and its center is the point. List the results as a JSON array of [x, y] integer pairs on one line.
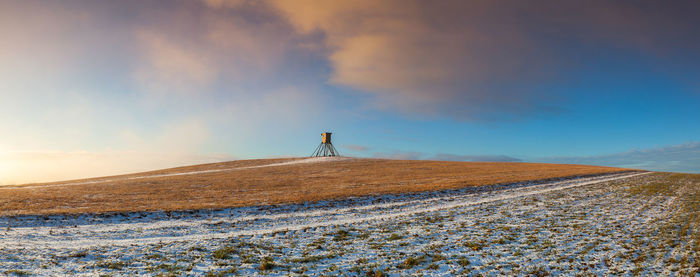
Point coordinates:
[[411, 55], [224, 3], [469, 59]]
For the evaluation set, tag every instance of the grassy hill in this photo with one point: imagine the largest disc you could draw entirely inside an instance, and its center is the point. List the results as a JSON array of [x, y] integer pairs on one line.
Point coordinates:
[[269, 181]]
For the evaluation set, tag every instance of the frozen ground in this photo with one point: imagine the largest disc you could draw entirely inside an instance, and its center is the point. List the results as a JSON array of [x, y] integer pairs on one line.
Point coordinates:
[[624, 223]]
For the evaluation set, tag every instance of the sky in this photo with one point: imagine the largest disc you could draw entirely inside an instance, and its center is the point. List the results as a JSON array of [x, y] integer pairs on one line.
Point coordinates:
[[94, 88]]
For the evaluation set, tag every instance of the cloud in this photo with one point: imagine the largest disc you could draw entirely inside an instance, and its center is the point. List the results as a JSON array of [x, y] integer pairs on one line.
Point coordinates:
[[200, 47], [400, 155], [358, 148], [171, 67], [416, 57], [468, 60], [482, 59], [475, 158], [56, 41], [409, 155], [224, 3], [176, 47], [675, 158]]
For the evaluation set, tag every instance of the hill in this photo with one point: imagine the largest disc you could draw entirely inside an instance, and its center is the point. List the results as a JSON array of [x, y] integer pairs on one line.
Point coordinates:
[[269, 181]]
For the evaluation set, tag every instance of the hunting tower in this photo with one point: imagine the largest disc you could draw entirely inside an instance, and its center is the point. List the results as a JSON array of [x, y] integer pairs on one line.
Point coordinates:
[[325, 149]]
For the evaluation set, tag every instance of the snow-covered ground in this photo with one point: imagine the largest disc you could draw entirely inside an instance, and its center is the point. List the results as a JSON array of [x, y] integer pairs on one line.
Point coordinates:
[[598, 225]]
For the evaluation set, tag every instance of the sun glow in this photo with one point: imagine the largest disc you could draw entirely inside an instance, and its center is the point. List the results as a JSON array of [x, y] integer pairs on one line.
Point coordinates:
[[7, 172]]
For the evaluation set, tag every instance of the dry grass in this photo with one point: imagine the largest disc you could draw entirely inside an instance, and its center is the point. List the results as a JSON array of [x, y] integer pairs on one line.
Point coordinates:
[[292, 183]]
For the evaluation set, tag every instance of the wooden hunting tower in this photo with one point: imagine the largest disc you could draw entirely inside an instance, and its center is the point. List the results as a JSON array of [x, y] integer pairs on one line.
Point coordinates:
[[325, 149]]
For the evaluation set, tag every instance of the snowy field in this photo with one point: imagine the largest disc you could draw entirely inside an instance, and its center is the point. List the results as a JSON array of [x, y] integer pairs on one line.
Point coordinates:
[[631, 223]]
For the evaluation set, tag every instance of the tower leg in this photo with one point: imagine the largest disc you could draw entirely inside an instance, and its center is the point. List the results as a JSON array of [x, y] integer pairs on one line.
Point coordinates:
[[325, 150]]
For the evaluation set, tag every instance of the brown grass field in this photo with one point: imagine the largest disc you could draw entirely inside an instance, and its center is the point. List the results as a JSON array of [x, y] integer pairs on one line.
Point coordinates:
[[245, 183]]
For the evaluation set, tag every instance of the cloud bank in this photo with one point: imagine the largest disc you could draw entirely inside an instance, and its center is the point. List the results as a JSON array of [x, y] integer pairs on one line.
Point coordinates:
[[675, 158]]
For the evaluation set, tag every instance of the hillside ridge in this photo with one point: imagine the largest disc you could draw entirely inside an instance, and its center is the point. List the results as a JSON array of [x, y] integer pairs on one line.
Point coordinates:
[[269, 182]]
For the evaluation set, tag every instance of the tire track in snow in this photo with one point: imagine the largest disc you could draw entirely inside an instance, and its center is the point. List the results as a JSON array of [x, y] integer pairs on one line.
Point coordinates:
[[346, 215], [311, 212]]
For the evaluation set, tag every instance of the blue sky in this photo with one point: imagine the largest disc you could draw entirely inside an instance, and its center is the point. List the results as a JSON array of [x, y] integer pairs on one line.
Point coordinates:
[[95, 88]]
